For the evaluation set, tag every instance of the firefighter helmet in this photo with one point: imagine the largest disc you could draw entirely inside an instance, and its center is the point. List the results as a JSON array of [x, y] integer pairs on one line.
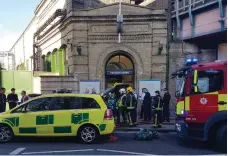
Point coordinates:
[[129, 89], [122, 91]]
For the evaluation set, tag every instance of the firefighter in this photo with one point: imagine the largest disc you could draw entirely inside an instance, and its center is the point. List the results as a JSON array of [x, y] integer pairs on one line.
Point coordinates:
[[166, 100], [131, 107], [120, 107], [157, 106]]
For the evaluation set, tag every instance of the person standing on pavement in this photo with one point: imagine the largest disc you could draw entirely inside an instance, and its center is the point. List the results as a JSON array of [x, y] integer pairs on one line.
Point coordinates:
[[121, 103], [157, 106], [24, 96], [146, 101], [87, 91], [2, 100], [166, 100], [131, 107], [93, 91], [12, 99]]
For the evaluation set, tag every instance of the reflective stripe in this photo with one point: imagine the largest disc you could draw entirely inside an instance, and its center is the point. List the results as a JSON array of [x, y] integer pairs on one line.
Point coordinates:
[[187, 103], [222, 97], [195, 77], [179, 107], [159, 101], [158, 109], [130, 107]]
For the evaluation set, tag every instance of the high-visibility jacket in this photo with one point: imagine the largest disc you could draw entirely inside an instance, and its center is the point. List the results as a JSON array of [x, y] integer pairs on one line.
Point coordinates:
[[158, 104], [131, 101], [121, 102]]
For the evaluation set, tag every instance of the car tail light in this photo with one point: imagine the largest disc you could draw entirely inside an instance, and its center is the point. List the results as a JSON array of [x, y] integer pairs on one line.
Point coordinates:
[[108, 114]]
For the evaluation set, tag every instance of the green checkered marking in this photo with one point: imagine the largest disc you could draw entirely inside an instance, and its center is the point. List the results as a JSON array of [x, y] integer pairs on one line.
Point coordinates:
[[31, 130], [102, 127], [13, 122], [79, 118], [42, 120], [66, 129], [51, 119]]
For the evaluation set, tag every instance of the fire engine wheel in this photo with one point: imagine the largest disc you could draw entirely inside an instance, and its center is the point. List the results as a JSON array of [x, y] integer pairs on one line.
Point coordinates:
[[221, 138]]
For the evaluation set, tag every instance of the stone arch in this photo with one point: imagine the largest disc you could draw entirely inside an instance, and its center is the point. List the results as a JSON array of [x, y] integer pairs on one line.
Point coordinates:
[[116, 49]]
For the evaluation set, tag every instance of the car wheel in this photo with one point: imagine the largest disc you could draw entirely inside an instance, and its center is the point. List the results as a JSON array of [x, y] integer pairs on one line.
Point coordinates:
[[88, 134], [221, 138], [6, 134]]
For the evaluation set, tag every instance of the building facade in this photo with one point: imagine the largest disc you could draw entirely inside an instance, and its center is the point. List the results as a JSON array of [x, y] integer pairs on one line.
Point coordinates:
[[199, 29], [79, 38]]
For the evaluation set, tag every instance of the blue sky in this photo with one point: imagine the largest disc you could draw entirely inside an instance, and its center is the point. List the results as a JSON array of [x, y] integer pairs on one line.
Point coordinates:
[[15, 15]]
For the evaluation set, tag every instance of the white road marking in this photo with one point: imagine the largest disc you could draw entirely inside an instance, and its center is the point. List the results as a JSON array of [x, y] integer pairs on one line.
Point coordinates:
[[17, 151], [65, 151], [125, 152]]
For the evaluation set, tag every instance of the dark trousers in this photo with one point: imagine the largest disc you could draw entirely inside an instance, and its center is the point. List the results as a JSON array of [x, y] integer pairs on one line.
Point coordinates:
[[166, 114], [12, 105], [118, 113], [157, 117], [131, 116], [2, 107], [147, 112], [141, 112]]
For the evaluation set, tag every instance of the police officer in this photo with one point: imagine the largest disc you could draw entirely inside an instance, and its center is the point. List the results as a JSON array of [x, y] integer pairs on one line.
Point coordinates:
[[131, 107], [121, 106], [146, 101], [157, 106], [2, 100], [166, 100]]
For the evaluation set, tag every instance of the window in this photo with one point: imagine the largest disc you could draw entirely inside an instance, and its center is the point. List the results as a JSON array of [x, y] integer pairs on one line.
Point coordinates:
[[34, 106], [210, 81], [65, 103], [38, 105], [89, 103]]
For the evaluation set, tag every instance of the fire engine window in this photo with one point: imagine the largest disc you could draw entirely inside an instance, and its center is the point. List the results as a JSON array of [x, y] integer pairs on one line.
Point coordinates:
[[210, 81]]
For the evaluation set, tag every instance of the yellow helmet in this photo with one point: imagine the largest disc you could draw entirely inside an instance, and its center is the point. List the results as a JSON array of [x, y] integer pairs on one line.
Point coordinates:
[[129, 89]]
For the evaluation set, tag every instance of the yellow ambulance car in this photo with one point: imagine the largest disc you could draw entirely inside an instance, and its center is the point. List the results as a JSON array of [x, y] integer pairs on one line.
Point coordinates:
[[84, 116]]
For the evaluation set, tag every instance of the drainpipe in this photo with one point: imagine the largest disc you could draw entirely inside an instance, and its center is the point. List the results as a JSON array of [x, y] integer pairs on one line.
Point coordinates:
[[169, 38]]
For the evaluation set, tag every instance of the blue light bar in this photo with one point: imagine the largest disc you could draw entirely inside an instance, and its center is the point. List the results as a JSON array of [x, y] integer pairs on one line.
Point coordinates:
[[195, 60], [189, 60]]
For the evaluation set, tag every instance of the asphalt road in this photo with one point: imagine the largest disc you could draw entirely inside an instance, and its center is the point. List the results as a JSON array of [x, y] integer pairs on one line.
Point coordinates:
[[165, 145]]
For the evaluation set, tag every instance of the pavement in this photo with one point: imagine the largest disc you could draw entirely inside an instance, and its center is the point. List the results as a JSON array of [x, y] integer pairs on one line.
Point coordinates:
[[166, 126], [125, 145]]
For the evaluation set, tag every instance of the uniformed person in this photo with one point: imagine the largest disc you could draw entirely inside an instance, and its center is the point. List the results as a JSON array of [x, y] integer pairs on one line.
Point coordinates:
[[146, 104], [131, 107], [120, 106], [157, 106], [166, 100]]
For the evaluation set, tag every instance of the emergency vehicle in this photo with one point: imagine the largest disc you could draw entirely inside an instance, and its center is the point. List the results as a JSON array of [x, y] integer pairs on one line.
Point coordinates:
[[83, 115], [201, 109]]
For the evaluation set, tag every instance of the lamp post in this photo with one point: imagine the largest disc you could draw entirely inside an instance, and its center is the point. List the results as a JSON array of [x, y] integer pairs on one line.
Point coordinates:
[[119, 22]]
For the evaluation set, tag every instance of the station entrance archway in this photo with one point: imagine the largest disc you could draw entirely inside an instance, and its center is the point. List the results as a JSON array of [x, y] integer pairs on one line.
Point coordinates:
[[119, 69]]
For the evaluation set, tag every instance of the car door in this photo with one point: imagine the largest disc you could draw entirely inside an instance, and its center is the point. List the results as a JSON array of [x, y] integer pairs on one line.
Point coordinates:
[[33, 118], [63, 112], [204, 103]]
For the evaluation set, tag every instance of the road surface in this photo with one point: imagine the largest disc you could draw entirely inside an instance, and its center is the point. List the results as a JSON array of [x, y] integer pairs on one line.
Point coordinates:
[[126, 145]]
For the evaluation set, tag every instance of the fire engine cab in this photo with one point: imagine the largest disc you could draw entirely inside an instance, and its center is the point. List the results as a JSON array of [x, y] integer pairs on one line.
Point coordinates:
[[201, 109]]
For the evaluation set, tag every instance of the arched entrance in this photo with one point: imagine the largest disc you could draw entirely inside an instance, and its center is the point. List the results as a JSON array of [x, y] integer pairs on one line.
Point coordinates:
[[119, 69]]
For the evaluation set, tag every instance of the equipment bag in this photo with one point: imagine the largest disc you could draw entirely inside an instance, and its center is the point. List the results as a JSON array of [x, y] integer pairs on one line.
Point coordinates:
[[146, 135]]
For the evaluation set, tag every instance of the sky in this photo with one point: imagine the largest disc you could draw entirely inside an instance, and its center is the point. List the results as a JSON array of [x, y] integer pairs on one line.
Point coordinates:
[[15, 16]]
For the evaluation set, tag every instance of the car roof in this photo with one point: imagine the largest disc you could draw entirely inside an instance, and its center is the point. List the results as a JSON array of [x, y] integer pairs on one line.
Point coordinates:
[[71, 94]]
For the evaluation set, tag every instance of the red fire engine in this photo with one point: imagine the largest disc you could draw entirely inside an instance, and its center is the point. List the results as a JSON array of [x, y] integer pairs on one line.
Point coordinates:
[[201, 110]]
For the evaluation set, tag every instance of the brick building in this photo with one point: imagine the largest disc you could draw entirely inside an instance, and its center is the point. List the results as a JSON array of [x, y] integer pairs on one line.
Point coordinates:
[[80, 42]]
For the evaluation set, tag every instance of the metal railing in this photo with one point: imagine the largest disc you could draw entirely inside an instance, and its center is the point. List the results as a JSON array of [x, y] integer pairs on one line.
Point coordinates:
[[182, 6]]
